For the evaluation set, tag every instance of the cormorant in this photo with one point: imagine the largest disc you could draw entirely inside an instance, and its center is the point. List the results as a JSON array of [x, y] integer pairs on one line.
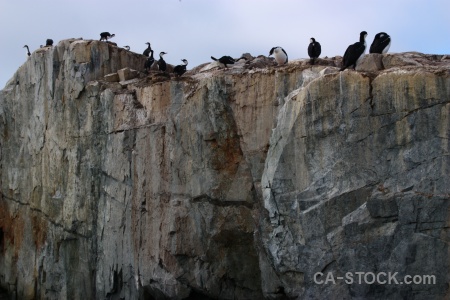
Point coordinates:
[[314, 50], [49, 42], [126, 48], [180, 69], [149, 62], [381, 43], [28, 50], [279, 54], [354, 52], [106, 35], [147, 51], [162, 66], [224, 60]]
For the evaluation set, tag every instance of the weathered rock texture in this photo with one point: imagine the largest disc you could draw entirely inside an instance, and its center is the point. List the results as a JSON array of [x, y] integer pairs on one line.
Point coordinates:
[[237, 184]]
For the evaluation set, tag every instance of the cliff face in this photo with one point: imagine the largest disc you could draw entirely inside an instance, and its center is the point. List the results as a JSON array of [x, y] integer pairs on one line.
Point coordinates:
[[238, 184]]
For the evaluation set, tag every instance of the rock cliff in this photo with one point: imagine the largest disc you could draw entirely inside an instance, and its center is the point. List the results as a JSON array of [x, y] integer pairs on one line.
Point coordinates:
[[235, 184]]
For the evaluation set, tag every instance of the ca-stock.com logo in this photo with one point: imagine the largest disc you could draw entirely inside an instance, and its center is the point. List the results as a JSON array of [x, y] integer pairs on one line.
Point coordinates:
[[373, 278]]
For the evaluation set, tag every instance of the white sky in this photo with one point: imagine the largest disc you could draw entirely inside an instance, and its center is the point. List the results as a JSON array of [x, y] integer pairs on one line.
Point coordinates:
[[197, 29]]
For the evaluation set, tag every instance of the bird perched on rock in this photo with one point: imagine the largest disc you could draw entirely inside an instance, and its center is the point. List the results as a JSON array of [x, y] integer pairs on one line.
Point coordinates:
[[314, 50], [49, 42], [224, 61], [279, 54], [127, 48], [381, 43], [181, 69], [149, 62], [162, 66], [147, 50], [354, 52], [28, 50], [106, 35]]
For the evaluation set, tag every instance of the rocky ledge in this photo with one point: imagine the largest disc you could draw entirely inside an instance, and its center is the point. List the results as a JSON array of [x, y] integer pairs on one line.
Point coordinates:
[[253, 182]]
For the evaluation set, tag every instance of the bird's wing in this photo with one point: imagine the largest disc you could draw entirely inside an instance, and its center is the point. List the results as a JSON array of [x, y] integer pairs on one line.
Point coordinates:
[[286, 54], [318, 49]]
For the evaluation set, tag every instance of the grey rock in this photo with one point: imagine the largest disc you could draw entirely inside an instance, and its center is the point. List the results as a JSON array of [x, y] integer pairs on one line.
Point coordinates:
[[239, 184]]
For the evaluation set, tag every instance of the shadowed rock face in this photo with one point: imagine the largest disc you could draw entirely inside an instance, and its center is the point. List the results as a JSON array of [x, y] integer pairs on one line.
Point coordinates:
[[236, 184]]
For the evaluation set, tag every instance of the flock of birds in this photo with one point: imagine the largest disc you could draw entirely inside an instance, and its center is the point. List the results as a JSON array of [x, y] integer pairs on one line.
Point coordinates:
[[380, 44]]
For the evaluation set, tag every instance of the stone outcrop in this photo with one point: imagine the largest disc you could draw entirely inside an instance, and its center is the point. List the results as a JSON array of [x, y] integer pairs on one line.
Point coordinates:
[[235, 184]]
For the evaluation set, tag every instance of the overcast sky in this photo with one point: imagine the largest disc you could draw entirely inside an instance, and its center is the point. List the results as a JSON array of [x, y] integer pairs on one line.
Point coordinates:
[[197, 29]]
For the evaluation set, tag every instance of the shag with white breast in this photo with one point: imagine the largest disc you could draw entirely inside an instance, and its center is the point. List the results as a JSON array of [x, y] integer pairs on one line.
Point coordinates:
[[149, 62], [381, 43], [147, 50], [354, 52], [224, 61], [279, 54], [181, 69], [162, 66]]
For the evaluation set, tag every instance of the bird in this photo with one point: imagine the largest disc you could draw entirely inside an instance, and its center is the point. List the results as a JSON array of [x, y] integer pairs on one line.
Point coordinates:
[[181, 69], [162, 66], [224, 61], [147, 50], [354, 52], [106, 35], [314, 50], [49, 42], [127, 48], [279, 54], [28, 50], [149, 62], [381, 43]]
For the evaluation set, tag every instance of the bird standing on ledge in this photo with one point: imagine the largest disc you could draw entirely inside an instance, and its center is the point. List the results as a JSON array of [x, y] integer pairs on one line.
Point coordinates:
[[147, 50], [381, 43], [180, 69], [106, 35], [162, 66], [354, 52], [28, 50], [149, 62], [224, 61], [314, 50], [279, 54]]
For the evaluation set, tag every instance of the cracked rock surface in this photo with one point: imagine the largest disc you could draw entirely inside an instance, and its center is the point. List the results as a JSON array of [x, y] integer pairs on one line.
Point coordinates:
[[223, 184]]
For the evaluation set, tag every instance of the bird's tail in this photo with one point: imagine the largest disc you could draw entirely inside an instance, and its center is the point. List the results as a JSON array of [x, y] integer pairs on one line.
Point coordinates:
[[213, 58]]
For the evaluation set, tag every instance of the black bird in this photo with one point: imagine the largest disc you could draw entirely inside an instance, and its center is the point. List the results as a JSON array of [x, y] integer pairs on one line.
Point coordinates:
[[49, 42], [149, 62], [224, 60], [180, 69], [279, 54], [381, 43], [354, 52], [314, 50], [28, 50], [147, 50], [127, 48], [162, 66], [106, 35]]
